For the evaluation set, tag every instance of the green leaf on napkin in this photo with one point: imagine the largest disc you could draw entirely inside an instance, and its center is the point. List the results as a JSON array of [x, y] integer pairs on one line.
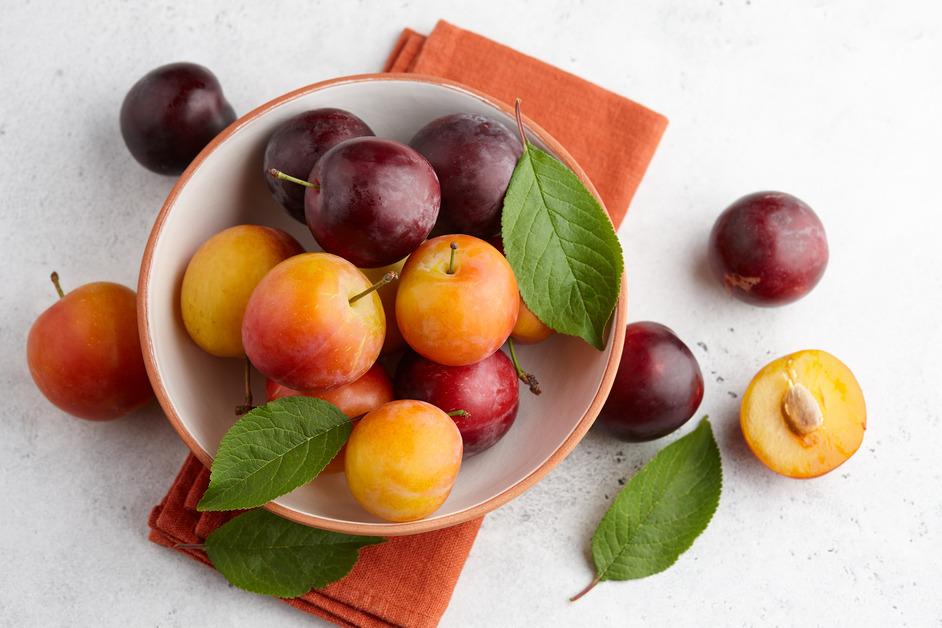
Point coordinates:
[[263, 553], [561, 246], [661, 510], [272, 450]]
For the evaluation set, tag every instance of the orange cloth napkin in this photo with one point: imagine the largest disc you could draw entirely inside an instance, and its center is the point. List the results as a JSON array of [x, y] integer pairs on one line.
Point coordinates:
[[408, 581]]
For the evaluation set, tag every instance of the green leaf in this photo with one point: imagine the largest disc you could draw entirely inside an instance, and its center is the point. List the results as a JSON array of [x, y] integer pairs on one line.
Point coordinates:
[[272, 450], [260, 552], [664, 507], [561, 246]]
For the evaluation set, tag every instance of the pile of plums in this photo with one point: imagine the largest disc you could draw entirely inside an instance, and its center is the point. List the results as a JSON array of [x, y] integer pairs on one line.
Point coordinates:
[[316, 323]]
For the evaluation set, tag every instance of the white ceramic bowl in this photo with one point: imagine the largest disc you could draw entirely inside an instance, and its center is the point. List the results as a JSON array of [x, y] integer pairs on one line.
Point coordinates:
[[224, 186]]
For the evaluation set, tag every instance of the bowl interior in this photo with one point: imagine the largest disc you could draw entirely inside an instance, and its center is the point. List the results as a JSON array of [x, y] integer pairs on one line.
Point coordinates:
[[226, 189]]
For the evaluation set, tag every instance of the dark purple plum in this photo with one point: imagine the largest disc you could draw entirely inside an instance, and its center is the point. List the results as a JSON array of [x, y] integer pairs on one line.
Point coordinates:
[[474, 157], [768, 248], [171, 114], [657, 388], [374, 201], [298, 143], [488, 391]]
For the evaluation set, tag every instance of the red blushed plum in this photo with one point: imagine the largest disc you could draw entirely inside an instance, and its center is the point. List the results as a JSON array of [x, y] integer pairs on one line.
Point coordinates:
[[313, 323], [658, 386], [372, 201], [298, 143], [353, 399], [488, 391], [84, 352], [171, 114], [768, 248], [457, 300], [474, 157]]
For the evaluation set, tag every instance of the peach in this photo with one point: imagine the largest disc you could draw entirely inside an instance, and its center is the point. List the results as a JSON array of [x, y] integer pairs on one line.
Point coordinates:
[[220, 279], [314, 323], [402, 460], [804, 414], [84, 352], [353, 399], [387, 294], [457, 300]]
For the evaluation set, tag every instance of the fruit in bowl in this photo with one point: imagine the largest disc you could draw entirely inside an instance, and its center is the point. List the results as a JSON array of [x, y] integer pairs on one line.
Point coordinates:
[[484, 395], [457, 300], [316, 324], [220, 279], [402, 460], [474, 157], [313, 323], [355, 399], [370, 200], [298, 143]]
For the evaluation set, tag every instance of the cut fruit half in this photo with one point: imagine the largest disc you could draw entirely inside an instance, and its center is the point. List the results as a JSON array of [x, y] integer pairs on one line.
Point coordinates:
[[804, 414]]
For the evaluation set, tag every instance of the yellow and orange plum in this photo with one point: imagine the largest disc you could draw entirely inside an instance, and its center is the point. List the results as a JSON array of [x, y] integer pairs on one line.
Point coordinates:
[[456, 306], [353, 399], [402, 460], [529, 329], [220, 279], [387, 294], [84, 352], [313, 324], [804, 414]]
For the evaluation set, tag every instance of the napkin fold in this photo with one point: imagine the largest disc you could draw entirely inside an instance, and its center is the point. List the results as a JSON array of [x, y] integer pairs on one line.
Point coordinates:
[[408, 581]]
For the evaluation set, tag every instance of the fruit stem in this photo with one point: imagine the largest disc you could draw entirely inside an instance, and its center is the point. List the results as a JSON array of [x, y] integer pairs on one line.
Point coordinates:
[[281, 176], [588, 588], [519, 118], [525, 377], [55, 281], [451, 262], [247, 384], [388, 277], [458, 413]]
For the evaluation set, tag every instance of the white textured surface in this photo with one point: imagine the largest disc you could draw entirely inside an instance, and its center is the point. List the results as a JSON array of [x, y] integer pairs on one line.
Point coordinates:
[[836, 102]]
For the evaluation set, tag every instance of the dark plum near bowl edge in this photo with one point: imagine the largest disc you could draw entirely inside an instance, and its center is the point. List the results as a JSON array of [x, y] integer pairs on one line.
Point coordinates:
[[296, 145], [474, 157], [768, 249], [171, 114], [658, 386]]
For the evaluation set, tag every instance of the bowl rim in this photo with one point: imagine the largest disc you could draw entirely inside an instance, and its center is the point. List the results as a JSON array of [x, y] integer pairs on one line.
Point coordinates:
[[617, 329]]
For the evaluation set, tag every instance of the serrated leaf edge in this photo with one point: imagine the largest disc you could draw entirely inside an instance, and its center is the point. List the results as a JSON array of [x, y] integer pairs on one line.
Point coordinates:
[[354, 544], [714, 448], [208, 502], [594, 335]]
